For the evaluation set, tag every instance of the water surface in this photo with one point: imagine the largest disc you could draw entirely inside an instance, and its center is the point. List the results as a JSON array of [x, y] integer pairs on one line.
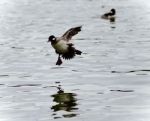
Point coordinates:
[[108, 82]]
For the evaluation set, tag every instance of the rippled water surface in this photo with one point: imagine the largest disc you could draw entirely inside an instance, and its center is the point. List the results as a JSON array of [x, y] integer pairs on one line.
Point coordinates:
[[109, 82]]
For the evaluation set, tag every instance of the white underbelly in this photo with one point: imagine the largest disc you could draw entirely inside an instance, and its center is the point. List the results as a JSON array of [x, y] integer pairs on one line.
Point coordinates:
[[61, 47]]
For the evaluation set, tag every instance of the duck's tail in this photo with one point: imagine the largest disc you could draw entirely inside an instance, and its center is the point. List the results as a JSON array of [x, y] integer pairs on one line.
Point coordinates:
[[78, 52]]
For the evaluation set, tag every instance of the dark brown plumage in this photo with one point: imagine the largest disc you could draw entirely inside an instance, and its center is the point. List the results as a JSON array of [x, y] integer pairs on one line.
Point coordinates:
[[71, 32], [109, 15]]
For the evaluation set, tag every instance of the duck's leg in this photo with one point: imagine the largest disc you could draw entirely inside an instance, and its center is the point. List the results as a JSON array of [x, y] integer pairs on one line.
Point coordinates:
[[59, 61]]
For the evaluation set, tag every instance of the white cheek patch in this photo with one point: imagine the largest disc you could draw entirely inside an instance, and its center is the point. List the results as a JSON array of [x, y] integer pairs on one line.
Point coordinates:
[[53, 39]]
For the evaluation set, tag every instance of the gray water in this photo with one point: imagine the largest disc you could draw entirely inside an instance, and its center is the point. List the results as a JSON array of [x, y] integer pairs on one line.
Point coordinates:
[[108, 82]]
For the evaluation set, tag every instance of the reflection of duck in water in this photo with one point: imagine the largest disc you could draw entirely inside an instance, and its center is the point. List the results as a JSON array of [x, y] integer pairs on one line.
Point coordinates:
[[65, 102], [110, 15]]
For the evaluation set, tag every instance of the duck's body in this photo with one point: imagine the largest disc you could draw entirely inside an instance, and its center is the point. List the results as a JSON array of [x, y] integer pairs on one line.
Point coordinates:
[[110, 15], [65, 49], [62, 45]]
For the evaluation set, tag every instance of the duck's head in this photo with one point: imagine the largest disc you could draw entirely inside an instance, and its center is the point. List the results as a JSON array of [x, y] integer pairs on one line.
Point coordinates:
[[113, 11], [52, 39]]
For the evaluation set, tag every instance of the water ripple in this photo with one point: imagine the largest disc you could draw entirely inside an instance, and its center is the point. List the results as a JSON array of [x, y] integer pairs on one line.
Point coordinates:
[[26, 85]]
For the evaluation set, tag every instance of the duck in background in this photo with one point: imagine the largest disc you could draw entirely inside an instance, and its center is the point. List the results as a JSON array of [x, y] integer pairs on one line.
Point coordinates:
[[110, 15], [62, 45]]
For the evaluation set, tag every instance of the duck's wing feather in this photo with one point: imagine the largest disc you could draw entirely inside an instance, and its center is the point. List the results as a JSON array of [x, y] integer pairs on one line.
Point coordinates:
[[71, 32]]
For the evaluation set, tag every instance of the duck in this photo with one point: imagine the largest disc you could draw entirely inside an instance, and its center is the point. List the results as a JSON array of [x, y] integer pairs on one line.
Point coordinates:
[[62, 45], [110, 15]]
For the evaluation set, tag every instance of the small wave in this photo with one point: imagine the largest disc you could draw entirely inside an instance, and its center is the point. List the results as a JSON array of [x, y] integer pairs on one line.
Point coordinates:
[[132, 71], [25, 85], [5, 75], [118, 90], [17, 47]]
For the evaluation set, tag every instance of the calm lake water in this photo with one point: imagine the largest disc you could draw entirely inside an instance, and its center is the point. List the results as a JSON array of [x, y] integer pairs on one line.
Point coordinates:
[[110, 81]]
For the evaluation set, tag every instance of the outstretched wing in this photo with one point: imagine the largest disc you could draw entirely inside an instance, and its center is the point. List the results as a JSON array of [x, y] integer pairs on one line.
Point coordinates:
[[71, 32]]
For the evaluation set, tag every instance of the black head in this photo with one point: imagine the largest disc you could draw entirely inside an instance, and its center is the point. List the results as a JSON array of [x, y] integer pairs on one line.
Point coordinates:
[[52, 38], [113, 11]]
